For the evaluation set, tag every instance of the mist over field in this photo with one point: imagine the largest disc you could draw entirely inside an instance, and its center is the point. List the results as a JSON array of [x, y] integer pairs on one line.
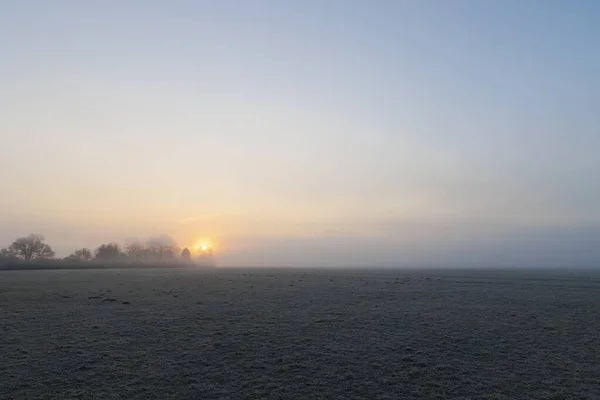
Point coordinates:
[[389, 244], [315, 199]]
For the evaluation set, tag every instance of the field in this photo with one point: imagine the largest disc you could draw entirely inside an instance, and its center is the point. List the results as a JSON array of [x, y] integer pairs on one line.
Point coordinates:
[[290, 334]]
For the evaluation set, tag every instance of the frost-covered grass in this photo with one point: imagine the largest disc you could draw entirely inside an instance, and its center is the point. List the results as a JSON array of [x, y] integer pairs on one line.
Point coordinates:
[[282, 334]]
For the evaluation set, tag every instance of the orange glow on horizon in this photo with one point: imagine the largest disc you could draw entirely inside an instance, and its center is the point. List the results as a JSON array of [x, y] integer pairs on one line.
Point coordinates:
[[203, 246]]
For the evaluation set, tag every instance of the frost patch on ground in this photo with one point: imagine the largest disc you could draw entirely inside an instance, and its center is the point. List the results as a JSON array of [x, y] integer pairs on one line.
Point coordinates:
[[276, 334]]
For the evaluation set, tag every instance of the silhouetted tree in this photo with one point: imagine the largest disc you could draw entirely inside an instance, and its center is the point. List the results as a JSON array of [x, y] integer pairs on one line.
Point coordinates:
[[186, 255], [134, 251], [7, 255], [108, 252], [161, 249], [80, 255], [31, 248]]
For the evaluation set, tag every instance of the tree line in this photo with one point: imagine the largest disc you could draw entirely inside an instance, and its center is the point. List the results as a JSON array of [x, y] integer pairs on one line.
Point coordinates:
[[162, 249]]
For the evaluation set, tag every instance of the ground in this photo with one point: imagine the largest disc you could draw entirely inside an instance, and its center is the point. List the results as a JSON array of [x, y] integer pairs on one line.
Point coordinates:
[[290, 334]]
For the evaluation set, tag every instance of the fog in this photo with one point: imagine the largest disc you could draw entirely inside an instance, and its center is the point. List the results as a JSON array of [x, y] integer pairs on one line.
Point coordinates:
[[529, 247], [305, 133], [375, 243]]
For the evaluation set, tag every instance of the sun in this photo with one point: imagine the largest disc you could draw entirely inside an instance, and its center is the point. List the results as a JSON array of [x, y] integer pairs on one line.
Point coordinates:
[[203, 247]]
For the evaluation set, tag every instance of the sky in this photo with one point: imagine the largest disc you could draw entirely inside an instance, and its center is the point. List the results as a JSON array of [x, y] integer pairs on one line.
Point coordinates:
[[306, 133]]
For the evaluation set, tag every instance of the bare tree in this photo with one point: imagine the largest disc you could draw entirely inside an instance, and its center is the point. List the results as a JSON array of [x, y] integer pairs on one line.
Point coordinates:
[[161, 249], [135, 251], [31, 248], [80, 255]]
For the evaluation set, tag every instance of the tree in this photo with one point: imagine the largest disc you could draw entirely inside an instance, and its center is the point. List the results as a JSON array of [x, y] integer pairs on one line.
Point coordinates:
[[134, 250], [186, 255], [108, 252], [161, 249], [31, 248], [80, 255], [7, 255]]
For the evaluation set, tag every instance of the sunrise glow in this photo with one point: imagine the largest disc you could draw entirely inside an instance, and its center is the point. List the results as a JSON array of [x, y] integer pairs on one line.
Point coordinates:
[[202, 246]]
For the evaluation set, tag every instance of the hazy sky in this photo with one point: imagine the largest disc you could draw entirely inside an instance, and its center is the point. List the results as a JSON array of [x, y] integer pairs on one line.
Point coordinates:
[[306, 132]]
